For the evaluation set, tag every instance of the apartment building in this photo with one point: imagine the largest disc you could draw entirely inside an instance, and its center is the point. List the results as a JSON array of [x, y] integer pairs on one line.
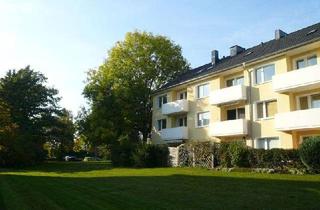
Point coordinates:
[[267, 95]]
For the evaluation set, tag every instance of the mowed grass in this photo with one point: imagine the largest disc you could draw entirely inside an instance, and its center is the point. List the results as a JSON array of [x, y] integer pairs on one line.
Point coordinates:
[[95, 185]]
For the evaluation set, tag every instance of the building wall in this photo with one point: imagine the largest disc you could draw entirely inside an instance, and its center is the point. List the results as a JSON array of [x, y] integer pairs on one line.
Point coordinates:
[[262, 92]]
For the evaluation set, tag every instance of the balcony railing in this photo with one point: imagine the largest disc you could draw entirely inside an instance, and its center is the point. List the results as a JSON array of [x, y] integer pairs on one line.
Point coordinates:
[[237, 127], [229, 95], [176, 134], [175, 107], [297, 80], [298, 120]]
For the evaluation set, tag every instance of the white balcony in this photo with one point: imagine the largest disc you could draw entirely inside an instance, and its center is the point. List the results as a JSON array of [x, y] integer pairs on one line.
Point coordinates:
[[298, 120], [174, 134], [230, 128], [175, 107], [297, 80], [229, 95]]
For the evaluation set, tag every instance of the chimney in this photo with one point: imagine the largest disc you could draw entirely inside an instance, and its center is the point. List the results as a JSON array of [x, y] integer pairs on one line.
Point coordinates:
[[279, 34], [214, 56], [235, 50]]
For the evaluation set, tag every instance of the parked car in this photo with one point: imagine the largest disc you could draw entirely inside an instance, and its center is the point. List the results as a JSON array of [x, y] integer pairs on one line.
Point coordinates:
[[86, 159], [70, 158]]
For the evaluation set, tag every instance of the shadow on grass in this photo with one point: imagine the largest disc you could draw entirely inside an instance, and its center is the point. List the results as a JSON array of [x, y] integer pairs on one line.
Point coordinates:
[[63, 167], [156, 192]]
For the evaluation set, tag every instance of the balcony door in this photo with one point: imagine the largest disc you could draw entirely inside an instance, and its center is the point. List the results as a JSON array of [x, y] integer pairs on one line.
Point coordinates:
[[308, 101], [181, 121], [234, 114]]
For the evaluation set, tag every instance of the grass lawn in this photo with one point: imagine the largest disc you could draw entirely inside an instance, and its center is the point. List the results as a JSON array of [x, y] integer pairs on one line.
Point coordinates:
[[95, 185]]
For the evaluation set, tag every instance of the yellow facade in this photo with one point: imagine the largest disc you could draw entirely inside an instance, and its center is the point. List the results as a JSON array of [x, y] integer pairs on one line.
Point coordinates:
[[256, 128]]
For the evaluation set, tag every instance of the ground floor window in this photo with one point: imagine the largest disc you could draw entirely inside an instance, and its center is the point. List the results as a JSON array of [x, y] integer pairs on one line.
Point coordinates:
[[267, 143]]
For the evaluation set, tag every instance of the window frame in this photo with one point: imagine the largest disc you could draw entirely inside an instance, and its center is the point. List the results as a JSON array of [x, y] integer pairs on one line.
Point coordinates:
[[308, 95], [266, 142], [158, 100], [185, 95], [264, 109], [197, 90], [184, 121], [305, 60], [263, 76], [161, 120], [237, 112], [197, 119], [233, 79]]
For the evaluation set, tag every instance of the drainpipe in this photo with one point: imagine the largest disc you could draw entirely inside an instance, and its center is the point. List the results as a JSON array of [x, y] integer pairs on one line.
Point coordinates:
[[250, 127]]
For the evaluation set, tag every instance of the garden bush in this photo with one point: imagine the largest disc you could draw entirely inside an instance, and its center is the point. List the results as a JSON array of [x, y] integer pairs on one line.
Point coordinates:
[[274, 158], [310, 153], [238, 153], [121, 152], [150, 155]]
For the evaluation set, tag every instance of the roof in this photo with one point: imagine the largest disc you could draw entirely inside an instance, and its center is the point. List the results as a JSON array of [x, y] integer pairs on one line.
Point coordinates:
[[294, 39]]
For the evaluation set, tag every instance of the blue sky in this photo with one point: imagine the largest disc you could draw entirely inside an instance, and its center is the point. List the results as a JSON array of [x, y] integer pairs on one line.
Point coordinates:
[[65, 38]]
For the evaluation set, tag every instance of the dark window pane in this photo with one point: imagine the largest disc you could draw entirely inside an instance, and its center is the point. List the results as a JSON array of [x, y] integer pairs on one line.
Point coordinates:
[[164, 124], [229, 82], [231, 114]]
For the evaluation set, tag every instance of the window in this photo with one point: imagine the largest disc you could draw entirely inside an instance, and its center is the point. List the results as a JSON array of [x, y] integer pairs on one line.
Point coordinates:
[[203, 91], [162, 100], [182, 95], [271, 108], [264, 74], [308, 61], [203, 119], [235, 81], [303, 102], [233, 114], [266, 109], [267, 143], [309, 101], [182, 122], [162, 124], [315, 101]]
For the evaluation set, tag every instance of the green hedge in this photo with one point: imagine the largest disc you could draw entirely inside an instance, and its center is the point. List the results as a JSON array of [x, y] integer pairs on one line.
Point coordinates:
[[237, 154], [150, 156]]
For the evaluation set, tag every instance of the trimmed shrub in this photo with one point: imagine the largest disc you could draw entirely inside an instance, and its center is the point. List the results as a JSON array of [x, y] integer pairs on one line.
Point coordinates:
[[310, 153], [274, 158], [121, 152], [150, 156], [239, 153]]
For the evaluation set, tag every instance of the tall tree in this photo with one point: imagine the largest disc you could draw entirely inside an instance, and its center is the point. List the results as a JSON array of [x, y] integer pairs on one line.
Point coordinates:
[[119, 91], [28, 110]]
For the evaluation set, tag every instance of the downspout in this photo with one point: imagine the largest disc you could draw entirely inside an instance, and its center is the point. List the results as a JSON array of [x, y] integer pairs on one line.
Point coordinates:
[[250, 127]]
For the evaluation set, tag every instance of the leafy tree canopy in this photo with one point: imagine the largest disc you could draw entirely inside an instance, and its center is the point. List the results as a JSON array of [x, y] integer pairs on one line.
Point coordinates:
[[119, 91], [29, 117]]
